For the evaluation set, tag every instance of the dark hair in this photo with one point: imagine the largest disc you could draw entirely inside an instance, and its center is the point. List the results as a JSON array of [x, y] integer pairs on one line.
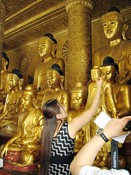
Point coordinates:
[[109, 61], [30, 79], [49, 109], [17, 72], [114, 9], [4, 55], [49, 35], [57, 68]]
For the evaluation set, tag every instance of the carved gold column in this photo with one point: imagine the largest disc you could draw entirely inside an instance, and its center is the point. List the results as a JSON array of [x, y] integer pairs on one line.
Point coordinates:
[[79, 38], [2, 18]]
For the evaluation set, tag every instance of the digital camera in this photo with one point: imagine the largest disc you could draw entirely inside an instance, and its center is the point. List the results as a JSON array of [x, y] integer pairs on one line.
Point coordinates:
[[128, 126]]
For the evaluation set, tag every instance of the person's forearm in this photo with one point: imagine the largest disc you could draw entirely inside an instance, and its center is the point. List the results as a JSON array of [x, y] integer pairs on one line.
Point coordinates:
[[87, 114], [95, 104], [88, 153]]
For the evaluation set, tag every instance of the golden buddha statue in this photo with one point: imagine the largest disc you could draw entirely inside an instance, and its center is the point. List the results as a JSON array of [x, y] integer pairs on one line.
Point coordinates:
[[92, 86], [21, 151], [107, 103], [9, 116], [78, 97], [47, 52], [122, 93], [111, 92], [109, 71], [91, 91], [4, 71], [119, 103], [55, 78], [6, 90], [119, 49], [3, 77]]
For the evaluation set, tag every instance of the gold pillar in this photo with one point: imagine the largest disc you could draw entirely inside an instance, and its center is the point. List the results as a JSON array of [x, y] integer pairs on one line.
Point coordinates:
[[79, 38], [2, 18]]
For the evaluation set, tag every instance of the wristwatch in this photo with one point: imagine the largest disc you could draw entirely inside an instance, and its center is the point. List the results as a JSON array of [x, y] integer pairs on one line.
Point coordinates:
[[100, 133]]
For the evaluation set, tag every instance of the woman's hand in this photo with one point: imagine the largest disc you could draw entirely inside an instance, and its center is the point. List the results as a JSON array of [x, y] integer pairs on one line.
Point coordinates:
[[99, 81]]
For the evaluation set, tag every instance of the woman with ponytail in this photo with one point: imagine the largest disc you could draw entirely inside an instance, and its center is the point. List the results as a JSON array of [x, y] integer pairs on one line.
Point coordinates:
[[57, 140]]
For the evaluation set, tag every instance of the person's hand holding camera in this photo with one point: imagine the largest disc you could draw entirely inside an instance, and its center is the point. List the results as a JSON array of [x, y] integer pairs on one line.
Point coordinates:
[[117, 127]]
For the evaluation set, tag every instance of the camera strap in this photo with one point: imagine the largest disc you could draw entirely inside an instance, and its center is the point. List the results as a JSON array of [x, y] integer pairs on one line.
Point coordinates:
[[114, 154]]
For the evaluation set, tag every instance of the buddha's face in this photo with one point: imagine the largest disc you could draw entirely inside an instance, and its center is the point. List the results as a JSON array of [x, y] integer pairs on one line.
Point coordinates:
[[112, 26], [26, 101], [15, 80], [95, 73], [77, 100], [9, 82], [45, 47], [53, 78], [108, 73]]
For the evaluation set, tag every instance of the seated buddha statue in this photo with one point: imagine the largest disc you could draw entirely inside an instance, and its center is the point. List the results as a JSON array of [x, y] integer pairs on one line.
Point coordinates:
[[55, 78], [9, 116], [78, 97], [119, 49], [7, 88], [47, 52], [20, 153], [3, 77]]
